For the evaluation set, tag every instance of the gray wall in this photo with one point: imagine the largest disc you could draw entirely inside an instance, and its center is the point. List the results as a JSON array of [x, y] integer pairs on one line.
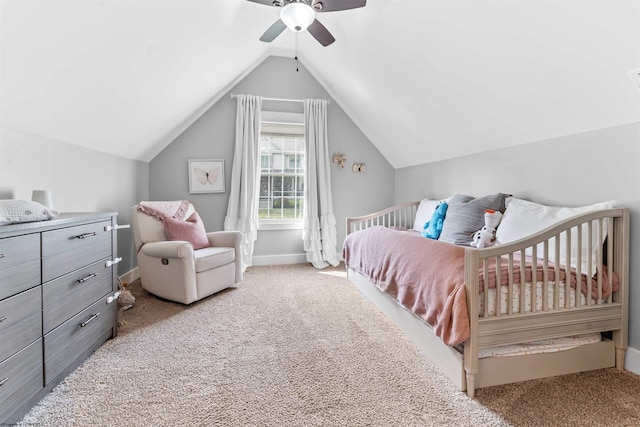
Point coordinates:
[[571, 171], [212, 136], [80, 180]]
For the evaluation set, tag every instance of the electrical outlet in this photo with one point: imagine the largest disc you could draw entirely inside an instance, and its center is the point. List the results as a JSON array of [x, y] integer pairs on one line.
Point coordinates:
[[635, 76]]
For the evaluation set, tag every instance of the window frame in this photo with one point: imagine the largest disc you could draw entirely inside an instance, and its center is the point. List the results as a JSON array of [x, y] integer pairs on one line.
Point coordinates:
[[281, 123]]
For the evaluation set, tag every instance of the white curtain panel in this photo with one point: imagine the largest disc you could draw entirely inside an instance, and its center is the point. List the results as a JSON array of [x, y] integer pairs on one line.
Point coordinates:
[[319, 230], [242, 211]]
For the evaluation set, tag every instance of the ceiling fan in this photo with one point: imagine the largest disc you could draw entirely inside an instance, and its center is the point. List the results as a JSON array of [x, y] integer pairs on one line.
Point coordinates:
[[300, 15]]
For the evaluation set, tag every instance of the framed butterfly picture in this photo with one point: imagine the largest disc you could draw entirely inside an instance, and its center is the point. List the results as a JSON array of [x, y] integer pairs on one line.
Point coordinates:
[[206, 176]]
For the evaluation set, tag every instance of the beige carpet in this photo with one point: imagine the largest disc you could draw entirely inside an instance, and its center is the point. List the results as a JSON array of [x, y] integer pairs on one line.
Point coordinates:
[[294, 346]]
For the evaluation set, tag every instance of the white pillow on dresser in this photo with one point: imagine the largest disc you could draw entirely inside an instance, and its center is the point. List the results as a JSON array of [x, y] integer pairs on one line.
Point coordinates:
[[14, 211], [523, 218]]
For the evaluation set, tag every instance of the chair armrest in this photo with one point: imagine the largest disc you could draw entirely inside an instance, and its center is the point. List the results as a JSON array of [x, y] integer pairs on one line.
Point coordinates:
[[169, 249], [228, 239]]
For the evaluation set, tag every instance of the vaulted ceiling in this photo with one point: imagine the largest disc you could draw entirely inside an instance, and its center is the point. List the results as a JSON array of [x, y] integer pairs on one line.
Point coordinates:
[[424, 80]]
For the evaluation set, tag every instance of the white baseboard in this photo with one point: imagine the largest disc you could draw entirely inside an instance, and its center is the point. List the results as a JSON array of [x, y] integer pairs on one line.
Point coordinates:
[[278, 259], [632, 360], [130, 275]]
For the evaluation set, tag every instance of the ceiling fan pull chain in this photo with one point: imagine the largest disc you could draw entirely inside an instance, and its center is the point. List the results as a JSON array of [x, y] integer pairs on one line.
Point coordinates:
[[296, 38]]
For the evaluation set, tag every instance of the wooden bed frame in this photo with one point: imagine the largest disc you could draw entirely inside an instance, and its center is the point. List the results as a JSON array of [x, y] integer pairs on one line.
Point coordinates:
[[461, 364]]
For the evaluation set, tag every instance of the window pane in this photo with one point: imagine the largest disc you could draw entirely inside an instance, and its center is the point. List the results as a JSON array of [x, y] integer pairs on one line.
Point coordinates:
[[277, 162], [282, 176]]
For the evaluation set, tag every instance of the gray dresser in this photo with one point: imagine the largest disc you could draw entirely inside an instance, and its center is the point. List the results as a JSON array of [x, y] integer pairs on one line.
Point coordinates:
[[57, 302]]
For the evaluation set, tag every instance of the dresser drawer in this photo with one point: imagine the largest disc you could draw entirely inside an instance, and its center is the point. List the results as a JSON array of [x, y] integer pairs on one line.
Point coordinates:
[[20, 321], [20, 377], [70, 248], [85, 331], [67, 295], [19, 264]]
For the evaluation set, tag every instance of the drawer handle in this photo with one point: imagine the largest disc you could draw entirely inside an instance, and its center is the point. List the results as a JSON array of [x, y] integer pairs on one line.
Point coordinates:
[[85, 235], [3, 318], [89, 320], [1, 255], [4, 380], [91, 276]]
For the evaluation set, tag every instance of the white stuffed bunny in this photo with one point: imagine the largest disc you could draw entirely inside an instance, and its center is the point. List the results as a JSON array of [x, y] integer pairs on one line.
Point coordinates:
[[486, 236]]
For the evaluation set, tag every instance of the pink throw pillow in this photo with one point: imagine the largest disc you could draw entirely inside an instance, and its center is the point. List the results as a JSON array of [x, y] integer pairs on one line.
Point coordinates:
[[192, 230]]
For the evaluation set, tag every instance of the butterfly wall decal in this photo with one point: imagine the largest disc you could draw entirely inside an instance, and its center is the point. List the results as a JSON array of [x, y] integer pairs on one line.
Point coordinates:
[[207, 176]]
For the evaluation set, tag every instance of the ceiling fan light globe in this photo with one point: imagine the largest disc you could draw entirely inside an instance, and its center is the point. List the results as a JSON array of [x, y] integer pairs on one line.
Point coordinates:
[[297, 16]]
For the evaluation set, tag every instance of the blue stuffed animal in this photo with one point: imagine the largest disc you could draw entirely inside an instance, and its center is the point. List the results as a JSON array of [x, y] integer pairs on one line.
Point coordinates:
[[433, 227]]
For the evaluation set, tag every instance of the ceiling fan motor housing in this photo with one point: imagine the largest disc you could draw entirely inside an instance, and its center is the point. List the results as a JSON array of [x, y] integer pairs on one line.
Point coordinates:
[[315, 4]]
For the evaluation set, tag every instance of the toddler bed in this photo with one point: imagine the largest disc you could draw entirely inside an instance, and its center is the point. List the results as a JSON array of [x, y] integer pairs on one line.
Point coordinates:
[[568, 314]]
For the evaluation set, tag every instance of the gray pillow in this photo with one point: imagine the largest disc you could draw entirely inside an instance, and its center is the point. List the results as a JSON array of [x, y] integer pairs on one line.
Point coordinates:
[[465, 216]]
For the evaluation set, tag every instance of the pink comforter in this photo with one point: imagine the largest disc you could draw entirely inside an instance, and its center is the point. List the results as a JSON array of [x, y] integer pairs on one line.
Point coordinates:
[[424, 275], [427, 276]]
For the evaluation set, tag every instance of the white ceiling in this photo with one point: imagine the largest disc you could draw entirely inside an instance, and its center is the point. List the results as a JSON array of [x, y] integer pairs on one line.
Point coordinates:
[[424, 80]]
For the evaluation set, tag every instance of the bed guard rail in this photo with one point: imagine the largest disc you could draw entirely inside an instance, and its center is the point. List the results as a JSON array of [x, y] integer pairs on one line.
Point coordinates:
[[575, 250], [400, 216]]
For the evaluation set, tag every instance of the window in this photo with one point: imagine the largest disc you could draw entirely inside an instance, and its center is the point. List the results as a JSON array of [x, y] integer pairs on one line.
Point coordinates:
[[282, 173]]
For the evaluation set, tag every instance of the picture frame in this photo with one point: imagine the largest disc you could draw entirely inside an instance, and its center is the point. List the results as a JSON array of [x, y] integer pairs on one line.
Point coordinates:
[[206, 176]]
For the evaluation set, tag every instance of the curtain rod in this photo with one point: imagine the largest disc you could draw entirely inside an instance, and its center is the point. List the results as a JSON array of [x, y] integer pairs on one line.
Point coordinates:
[[277, 99]]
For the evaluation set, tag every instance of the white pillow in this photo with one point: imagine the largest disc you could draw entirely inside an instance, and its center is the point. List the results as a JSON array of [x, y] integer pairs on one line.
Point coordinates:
[[523, 218], [424, 213], [15, 211]]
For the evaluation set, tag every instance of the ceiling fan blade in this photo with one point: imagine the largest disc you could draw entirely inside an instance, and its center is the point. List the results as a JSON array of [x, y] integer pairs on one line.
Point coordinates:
[[320, 33], [273, 31], [333, 5], [267, 2]]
